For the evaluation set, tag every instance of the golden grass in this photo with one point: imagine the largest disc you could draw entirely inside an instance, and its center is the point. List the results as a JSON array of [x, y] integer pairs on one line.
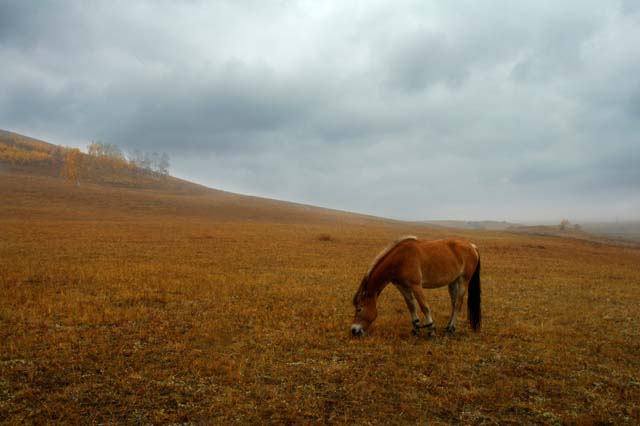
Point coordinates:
[[131, 307]]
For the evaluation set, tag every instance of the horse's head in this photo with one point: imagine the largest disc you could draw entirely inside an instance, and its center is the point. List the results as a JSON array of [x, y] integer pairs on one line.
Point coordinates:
[[366, 312]]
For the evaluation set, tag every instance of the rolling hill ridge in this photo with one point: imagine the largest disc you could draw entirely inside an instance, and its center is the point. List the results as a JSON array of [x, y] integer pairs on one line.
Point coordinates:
[[31, 184]]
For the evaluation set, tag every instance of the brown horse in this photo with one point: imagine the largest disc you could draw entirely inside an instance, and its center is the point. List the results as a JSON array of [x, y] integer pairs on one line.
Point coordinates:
[[411, 265]]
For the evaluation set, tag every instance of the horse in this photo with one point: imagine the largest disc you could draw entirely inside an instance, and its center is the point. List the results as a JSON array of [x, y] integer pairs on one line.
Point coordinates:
[[411, 265]]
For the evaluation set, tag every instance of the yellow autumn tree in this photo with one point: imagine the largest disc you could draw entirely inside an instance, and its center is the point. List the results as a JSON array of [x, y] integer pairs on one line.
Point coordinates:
[[73, 167]]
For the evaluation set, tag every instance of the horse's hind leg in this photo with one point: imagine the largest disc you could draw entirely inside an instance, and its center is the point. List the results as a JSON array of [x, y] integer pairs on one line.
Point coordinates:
[[456, 293], [453, 294]]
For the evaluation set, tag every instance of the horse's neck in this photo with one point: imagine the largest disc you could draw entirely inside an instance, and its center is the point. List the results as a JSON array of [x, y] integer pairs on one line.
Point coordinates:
[[375, 285]]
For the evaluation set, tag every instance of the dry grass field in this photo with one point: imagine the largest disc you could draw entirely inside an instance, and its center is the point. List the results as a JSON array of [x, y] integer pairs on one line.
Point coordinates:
[[190, 306]]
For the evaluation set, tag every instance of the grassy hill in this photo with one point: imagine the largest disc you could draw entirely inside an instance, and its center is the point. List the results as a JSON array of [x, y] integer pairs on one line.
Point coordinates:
[[22, 154], [166, 302], [35, 188]]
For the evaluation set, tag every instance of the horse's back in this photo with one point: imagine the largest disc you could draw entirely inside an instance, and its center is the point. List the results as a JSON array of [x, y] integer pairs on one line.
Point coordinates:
[[443, 261], [455, 247]]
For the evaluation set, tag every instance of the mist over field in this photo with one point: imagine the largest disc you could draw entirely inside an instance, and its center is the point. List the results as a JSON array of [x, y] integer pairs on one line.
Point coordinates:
[[412, 110]]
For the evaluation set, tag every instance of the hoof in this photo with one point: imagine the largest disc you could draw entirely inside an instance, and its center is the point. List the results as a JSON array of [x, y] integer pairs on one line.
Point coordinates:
[[416, 328], [450, 330]]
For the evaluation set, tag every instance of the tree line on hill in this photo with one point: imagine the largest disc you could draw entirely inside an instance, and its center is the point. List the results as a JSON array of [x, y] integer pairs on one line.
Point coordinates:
[[102, 161], [155, 163], [105, 158]]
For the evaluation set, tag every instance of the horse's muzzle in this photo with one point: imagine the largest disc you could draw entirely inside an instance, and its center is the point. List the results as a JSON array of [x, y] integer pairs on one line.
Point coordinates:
[[357, 330]]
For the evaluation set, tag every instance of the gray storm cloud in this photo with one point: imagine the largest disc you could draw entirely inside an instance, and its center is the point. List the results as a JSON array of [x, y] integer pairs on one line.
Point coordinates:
[[410, 109]]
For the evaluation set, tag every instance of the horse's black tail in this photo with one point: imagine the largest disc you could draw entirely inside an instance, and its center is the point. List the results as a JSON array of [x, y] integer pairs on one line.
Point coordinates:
[[473, 300]]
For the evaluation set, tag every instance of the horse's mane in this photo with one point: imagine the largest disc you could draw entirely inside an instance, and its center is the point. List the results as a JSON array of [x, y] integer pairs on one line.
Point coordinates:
[[376, 261]]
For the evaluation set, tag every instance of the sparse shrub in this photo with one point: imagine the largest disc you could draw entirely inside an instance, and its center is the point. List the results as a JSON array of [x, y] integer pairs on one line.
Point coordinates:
[[325, 237]]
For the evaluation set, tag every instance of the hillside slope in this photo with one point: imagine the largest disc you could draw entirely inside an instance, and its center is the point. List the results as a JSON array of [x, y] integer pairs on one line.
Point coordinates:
[[32, 187], [34, 196]]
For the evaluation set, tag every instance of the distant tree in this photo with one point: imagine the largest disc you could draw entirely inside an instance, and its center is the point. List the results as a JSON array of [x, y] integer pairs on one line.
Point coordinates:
[[155, 163], [101, 149], [94, 149], [577, 227], [147, 161], [136, 158], [113, 151], [163, 165], [73, 166], [564, 223]]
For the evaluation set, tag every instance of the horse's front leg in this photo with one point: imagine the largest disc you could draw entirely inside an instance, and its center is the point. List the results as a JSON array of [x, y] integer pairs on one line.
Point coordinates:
[[412, 305], [416, 289]]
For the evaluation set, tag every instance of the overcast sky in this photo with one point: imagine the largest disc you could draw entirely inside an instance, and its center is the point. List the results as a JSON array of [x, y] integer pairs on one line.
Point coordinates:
[[520, 111]]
